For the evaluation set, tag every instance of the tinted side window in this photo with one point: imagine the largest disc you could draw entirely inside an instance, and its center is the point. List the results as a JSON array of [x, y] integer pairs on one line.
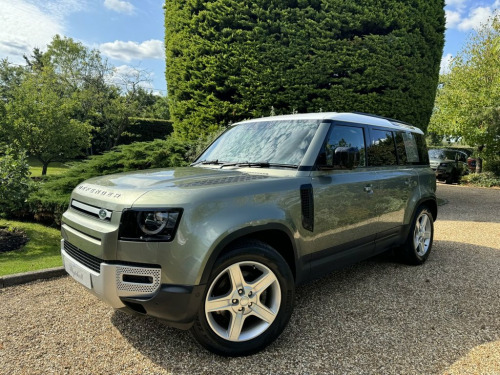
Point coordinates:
[[346, 136], [382, 150], [422, 149], [407, 149]]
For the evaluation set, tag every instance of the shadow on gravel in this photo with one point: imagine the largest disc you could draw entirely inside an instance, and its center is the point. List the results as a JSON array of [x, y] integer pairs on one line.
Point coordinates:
[[379, 316]]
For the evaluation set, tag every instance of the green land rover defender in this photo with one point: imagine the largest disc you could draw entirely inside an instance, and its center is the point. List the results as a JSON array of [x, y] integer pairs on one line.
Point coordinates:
[[219, 247]]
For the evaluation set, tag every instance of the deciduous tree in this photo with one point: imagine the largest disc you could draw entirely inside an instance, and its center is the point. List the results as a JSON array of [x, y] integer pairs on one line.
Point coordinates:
[[39, 119], [468, 102]]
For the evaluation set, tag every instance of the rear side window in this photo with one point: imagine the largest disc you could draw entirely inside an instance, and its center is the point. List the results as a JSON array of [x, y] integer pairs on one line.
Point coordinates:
[[423, 155], [382, 150], [407, 149]]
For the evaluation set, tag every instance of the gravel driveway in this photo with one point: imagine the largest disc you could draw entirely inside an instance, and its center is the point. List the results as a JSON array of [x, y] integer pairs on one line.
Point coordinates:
[[376, 317]]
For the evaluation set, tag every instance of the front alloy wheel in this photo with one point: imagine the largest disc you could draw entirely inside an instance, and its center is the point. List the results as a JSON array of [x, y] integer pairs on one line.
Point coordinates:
[[243, 301], [248, 302]]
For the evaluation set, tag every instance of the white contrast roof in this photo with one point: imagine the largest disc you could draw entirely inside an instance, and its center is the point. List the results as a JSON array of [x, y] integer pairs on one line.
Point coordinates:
[[342, 116]]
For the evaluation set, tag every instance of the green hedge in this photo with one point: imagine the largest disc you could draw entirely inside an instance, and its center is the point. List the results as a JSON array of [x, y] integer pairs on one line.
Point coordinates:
[[228, 60], [146, 130]]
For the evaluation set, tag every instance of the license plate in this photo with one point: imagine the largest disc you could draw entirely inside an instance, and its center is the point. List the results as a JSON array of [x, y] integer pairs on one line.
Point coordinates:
[[78, 273]]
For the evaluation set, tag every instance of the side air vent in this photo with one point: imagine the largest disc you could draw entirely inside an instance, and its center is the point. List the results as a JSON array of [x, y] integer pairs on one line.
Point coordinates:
[[307, 203]]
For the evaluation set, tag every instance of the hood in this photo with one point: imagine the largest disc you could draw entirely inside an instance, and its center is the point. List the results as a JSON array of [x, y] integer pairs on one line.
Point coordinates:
[[434, 163], [121, 190]]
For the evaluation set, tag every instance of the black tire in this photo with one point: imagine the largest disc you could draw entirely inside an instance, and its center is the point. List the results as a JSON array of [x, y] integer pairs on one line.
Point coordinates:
[[418, 245], [257, 262]]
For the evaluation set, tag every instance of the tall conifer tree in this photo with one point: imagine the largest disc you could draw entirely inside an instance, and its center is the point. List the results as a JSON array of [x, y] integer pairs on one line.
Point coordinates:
[[233, 59]]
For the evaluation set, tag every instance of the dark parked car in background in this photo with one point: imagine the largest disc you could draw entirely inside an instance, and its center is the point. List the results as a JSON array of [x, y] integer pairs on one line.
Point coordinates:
[[449, 165]]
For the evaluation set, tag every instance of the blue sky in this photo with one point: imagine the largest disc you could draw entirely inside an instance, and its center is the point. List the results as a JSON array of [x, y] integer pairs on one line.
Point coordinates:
[[130, 32]]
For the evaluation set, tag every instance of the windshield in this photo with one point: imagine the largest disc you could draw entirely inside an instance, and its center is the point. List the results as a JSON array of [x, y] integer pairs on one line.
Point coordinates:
[[275, 142], [441, 154]]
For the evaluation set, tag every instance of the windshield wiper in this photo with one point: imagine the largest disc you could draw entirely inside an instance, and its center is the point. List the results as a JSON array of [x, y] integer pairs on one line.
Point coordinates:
[[205, 162], [261, 164]]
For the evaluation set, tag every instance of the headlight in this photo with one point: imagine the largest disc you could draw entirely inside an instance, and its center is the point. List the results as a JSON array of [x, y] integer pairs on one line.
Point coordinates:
[[149, 225]]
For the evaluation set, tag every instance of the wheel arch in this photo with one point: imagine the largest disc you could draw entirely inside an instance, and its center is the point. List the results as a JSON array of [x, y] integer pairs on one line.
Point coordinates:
[[429, 202], [278, 236]]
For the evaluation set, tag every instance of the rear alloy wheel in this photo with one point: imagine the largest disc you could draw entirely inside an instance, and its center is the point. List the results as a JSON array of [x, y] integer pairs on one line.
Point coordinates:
[[248, 302], [419, 242]]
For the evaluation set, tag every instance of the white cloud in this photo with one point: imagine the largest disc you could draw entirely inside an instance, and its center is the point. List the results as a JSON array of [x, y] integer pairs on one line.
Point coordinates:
[[445, 64], [26, 24], [452, 19], [119, 6], [477, 17], [128, 51]]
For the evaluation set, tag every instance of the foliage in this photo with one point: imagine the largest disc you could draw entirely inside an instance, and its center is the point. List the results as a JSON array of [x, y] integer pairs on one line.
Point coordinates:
[[11, 76], [41, 252], [493, 165], [103, 97], [39, 119], [485, 179], [467, 105], [228, 60], [51, 200], [157, 108], [15, 182], [146, 130]]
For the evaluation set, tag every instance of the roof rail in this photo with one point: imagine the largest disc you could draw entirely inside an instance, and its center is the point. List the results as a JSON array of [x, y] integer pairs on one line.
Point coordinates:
[[384, 118]]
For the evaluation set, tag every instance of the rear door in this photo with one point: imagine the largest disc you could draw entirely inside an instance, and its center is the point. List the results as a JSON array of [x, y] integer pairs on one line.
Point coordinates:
[[397, 181]]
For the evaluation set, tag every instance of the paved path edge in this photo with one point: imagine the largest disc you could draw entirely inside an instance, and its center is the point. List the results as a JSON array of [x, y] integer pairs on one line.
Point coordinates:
[[26, 277]]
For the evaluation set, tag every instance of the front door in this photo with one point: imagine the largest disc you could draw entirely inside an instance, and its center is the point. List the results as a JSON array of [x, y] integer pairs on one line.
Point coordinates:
[[346, 217]]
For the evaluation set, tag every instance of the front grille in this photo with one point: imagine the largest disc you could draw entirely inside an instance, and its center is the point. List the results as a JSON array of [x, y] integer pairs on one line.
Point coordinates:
[[82, 257], [90, 210]]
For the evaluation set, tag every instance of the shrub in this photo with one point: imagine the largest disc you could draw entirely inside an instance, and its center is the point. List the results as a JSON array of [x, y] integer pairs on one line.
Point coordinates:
[[15, 182], [485, 179], [492, 165], [51, 200], [146, 130]]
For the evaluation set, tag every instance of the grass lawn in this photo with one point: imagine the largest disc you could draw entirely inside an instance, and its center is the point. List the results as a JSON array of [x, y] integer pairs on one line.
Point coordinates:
[[53, 168], [42, 251]]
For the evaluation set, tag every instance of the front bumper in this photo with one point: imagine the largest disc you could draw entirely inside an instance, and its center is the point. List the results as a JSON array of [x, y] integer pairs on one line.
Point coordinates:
[[134, 288]]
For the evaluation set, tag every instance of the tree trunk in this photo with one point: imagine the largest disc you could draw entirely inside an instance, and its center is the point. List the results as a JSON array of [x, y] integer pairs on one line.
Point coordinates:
[[44, 168], [479, 160], [479, 165]]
